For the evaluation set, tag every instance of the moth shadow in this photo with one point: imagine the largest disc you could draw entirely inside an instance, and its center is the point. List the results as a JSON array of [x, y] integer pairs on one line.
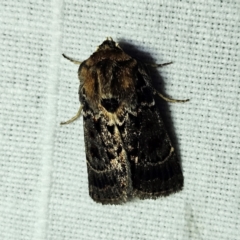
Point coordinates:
[[158, 84]]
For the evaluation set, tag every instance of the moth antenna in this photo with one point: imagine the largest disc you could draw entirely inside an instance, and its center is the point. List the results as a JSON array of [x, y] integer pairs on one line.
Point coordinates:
[[71, 59], [158, 65]]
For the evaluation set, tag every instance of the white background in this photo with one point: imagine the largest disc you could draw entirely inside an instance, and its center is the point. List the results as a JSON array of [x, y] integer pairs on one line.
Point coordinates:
[[43, 177]]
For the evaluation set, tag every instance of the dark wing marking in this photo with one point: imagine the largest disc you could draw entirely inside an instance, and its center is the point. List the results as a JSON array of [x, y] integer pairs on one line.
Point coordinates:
[[108, 168], [154, 165]]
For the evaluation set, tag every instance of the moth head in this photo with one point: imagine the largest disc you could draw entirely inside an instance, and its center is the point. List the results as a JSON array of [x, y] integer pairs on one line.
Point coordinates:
[[108, 44]]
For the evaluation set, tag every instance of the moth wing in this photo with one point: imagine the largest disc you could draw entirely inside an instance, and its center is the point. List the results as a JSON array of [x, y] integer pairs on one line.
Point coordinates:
[[155, 169], [108, 170]]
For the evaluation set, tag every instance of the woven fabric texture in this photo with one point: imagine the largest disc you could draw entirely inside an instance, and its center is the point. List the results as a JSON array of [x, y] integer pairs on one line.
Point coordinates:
[[43, 175]]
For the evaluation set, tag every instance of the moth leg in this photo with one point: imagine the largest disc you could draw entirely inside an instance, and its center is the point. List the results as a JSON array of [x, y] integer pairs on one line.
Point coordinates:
[[170, 99], [75, 117], [71, 59], [159, 94]]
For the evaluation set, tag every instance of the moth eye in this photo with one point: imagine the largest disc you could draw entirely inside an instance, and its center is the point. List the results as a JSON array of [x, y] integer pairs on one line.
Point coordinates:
[[110, 104]]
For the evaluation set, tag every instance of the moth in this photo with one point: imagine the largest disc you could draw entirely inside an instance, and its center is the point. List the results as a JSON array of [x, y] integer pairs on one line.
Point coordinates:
[[128, 151]]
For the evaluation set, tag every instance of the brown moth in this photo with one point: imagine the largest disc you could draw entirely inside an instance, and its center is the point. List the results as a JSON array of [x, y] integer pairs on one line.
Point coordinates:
[[128, 151]]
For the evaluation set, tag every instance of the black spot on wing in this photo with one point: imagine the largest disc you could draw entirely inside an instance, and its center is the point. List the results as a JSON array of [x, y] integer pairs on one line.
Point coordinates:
[[110, 104]]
